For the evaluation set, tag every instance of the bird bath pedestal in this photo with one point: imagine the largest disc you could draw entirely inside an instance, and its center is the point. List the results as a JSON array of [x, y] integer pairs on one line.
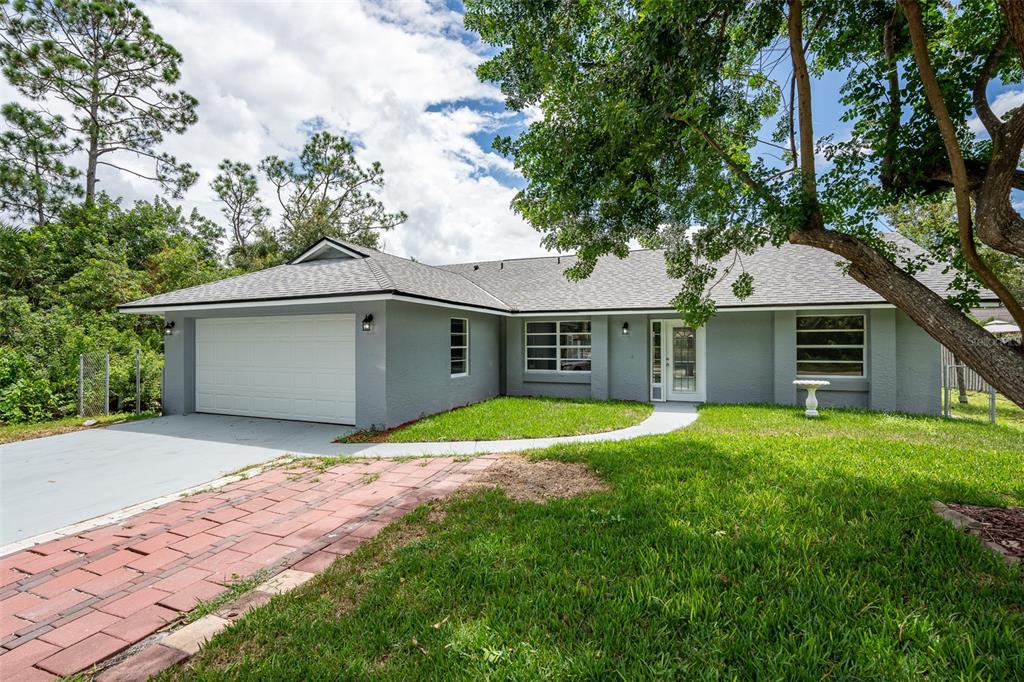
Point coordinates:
[[811, 386]]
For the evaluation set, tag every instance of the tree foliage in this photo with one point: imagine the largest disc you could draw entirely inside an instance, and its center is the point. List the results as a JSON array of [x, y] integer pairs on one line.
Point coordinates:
[[661, 116], [60, 284], [103, 60], [35, 180], [325, 192], [238, 191]]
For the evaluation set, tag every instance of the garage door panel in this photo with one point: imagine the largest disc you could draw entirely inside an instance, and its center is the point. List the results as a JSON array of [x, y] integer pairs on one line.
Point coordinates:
[[300, 367]]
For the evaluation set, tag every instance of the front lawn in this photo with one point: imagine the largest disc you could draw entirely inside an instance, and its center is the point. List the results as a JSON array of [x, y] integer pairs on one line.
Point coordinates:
[[756, 544], [508, 417], [10, 433]]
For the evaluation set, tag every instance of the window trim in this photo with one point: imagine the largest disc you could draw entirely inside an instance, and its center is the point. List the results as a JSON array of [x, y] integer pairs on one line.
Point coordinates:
[[465, 321], [863, 329], [558, 348]]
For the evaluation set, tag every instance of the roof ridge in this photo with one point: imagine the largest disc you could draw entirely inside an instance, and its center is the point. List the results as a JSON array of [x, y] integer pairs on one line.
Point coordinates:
[[509, 260], [461, 276], [379, 273], [438, 268]]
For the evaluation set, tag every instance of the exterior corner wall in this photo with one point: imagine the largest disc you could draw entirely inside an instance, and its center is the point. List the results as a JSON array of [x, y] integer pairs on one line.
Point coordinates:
[[371, 366], [178, 390], [881, 360], [784, 357], [599, 357], [738, 350], [418, 378], [628, 358], [918, 368]]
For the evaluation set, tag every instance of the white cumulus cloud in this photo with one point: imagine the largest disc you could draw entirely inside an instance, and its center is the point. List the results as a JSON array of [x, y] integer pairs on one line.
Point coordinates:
[[398, 77]]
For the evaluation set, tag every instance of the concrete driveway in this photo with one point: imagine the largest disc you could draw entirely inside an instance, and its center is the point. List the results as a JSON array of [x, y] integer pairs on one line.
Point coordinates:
[[49, 483]]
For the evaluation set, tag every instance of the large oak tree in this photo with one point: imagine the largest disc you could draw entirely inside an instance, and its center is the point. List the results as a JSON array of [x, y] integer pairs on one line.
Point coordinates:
[[660, 116]]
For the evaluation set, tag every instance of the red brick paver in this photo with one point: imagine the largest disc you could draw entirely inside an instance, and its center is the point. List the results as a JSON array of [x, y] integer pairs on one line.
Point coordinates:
[[69, 604]]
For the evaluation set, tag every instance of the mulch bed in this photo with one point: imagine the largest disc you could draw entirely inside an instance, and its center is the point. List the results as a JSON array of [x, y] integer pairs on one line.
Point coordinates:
[[1003, 526]]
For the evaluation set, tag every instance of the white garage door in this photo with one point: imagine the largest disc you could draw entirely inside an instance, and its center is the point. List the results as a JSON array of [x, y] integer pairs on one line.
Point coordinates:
[[284, 367]]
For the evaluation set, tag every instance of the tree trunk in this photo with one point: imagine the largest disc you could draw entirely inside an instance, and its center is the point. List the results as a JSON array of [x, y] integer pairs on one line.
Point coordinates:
[[40, 198], [999, 364], [90, 170]]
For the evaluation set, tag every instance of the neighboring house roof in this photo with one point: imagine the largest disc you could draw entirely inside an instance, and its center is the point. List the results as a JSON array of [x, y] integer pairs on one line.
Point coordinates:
[[785, 276], [1000, 327]]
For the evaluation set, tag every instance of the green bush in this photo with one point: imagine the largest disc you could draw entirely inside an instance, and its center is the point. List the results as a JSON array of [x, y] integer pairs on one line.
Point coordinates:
[[24, 395]]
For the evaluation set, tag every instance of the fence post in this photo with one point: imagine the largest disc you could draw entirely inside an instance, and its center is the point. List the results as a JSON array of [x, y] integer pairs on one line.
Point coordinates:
[[81, 384], [106, 382], [945, 391], [138, 381], [991, 405]]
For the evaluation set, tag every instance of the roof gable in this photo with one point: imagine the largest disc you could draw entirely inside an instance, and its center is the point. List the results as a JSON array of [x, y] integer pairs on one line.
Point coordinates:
[[328, 249]]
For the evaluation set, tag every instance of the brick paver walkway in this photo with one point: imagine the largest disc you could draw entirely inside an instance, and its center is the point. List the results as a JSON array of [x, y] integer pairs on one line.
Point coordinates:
[[70, 603]]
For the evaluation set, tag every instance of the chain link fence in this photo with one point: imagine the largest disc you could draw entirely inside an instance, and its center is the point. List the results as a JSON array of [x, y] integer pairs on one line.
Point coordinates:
[[119, 382], [965, 395]]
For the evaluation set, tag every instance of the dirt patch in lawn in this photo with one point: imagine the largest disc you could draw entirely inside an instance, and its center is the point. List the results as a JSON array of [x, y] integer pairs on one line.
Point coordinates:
[[1002, 526], [538, 480]]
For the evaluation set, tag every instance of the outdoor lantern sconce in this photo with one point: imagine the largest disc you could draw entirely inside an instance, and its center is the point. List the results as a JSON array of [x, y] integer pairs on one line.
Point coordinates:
[[368, 323], [169, 328], [625, 328]]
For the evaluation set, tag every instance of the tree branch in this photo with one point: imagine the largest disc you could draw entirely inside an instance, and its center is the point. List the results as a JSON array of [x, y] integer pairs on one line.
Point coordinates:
[[803, 88], [895, 105], [992, 123], [965, 228]]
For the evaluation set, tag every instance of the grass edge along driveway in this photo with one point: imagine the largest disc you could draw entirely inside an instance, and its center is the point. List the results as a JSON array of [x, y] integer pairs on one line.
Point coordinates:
[[754, 544], [514, 417]]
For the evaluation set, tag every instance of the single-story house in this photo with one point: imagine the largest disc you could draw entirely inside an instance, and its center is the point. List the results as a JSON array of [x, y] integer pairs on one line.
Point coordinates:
[[351, 335]]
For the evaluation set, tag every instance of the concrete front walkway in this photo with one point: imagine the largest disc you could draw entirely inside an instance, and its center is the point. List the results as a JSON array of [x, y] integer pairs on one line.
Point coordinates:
[[69, 603], [666, 417]]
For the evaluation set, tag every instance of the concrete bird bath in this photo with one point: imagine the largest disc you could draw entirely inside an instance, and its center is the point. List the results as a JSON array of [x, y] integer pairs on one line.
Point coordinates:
[[811, 386]]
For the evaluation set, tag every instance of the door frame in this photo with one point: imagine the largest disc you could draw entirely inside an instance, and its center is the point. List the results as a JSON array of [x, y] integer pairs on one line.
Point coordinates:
[[667, 394]]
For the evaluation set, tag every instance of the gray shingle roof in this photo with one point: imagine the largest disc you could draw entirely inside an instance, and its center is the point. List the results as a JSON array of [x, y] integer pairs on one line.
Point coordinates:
[[789, 275], [785, 276], [375, 273]]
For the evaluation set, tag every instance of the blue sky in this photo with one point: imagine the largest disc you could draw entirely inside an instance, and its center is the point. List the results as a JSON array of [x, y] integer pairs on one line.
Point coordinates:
[[396, 76]]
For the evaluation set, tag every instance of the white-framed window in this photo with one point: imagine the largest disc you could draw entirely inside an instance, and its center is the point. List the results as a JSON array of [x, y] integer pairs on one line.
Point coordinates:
[[459, 346], [558, 346], [830, 345]]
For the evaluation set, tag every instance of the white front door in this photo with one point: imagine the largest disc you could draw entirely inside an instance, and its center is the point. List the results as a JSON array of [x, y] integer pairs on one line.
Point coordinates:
[[285, 367], [684, 367]]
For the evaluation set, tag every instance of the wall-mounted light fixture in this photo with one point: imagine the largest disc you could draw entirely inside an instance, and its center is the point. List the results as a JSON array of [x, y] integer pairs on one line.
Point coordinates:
[[625, 328], [368, 323], [169, 328]]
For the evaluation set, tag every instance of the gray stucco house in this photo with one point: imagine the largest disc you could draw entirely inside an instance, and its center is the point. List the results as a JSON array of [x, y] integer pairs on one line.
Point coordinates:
[[350, 335]]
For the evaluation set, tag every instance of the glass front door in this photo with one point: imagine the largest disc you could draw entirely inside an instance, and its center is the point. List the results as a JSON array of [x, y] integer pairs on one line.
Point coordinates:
[[683, 361]]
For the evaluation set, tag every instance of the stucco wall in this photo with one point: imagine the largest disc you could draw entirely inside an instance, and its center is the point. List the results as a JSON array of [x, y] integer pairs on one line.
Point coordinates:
[[419, 380], [739, 357], [628, 373], [179, 389], [918, 364]]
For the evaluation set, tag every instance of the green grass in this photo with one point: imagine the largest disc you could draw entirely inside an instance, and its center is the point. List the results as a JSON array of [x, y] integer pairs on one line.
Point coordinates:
[[977, 409], [509, 417], [756, 544], [10, 433]]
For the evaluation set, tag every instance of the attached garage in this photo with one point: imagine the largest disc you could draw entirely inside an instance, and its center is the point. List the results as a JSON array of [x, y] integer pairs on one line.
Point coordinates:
[[280, 367]]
